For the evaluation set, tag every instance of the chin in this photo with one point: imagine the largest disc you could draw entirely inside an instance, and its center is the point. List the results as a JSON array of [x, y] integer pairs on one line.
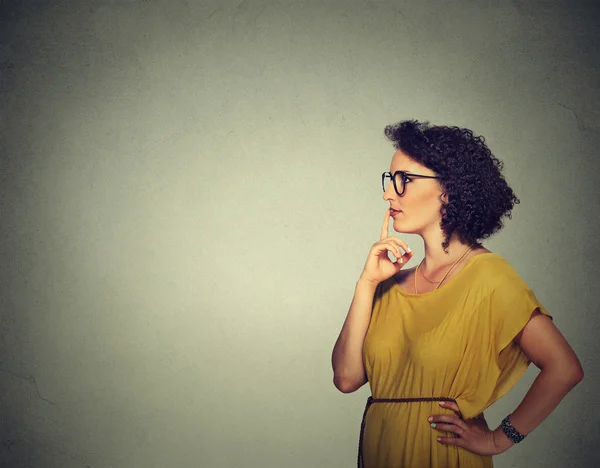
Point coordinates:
[[402, 228]]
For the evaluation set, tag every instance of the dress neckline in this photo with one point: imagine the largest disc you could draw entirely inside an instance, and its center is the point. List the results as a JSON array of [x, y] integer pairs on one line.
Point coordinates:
[[468, 263]]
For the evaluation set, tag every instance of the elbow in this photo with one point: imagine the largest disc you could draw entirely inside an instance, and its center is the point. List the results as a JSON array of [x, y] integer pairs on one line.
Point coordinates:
[[568, 374], [344, 387], [347, 385], [574, 378], [578, 375], [575, 372]]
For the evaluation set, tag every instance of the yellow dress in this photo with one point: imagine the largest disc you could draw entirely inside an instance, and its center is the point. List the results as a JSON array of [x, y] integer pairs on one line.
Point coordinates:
[[453, 342]]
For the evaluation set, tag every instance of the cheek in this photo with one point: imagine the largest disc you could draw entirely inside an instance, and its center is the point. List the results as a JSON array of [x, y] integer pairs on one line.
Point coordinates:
[[425, 208], [428, 200]]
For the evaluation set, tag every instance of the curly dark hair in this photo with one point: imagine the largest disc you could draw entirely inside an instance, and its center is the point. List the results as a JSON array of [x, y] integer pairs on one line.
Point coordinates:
[[478, 196]]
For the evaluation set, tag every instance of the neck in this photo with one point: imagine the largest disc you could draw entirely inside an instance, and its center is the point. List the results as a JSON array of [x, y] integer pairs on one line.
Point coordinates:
[[435, 256]]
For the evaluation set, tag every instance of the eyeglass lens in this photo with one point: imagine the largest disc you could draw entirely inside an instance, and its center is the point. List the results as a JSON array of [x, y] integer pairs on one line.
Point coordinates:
[[387, 180]]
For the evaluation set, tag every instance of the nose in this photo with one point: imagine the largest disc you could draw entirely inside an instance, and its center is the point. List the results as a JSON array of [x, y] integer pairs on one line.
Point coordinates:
[[389, 193]]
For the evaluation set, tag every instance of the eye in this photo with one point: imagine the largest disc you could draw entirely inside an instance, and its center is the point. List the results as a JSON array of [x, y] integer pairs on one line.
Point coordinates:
[[407, 179]]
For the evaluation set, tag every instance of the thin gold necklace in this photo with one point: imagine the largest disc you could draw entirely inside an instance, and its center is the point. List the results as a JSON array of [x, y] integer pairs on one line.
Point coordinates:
[[428, 280], [444, 277]]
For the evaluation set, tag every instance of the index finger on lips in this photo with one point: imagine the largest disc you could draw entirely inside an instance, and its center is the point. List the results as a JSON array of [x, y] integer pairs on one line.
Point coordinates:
[[386, 225]]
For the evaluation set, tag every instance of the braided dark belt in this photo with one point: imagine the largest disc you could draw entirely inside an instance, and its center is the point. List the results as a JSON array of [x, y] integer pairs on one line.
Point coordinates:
[[371, 400]]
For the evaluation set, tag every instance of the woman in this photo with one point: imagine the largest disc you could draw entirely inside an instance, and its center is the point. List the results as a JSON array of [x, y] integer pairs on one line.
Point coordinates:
[[440, 342]]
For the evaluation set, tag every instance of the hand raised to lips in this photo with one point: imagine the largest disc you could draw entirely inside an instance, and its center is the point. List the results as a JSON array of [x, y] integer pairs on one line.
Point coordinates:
[[379, 266]]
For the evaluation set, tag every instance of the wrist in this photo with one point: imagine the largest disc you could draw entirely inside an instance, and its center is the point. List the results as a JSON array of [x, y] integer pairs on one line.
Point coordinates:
[[365, 283], [501, 440]]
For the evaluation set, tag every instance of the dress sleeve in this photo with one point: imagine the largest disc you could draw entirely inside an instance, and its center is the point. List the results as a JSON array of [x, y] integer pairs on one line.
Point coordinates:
[[500, 362], [511, 306]]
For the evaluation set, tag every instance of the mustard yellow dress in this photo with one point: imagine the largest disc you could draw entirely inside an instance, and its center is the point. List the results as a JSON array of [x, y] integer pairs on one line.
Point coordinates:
[[453, 342]]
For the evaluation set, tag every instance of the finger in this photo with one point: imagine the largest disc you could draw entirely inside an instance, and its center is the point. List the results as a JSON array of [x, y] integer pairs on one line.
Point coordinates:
[[379, 248], [398, 241], [407, 256], [445, 418], [396, 252], [451, 405], [395, 249], [386, 225], [450, 441], [449, 419], [448, 428]]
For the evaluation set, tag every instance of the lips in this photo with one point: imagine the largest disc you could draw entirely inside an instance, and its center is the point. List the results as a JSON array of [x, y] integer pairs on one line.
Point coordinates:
[[394, 212]]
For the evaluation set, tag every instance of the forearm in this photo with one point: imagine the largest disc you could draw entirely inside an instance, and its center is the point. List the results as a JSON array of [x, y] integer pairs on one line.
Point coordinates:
[[548, 389], [347, 360]]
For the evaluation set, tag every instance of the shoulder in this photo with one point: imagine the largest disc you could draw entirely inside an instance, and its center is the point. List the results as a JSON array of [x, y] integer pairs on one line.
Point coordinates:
[[493, 268], [495, 278]]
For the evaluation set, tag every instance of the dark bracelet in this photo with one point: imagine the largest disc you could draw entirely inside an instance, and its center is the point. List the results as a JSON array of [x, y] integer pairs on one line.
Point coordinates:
[[511, 432]]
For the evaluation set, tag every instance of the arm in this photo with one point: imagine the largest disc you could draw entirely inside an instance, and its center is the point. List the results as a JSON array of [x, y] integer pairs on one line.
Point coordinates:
[[545, 346], [560, 369], [347, 361]]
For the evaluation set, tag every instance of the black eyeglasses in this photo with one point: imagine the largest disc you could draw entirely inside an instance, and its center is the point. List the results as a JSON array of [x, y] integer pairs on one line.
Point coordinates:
[[400, 178]]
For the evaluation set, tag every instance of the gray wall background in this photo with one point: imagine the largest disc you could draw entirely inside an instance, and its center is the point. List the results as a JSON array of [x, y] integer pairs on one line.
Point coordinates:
[[189, 191]]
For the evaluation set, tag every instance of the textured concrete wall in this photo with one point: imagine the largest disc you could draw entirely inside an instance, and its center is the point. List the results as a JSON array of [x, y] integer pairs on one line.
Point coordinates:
[[189, 191]]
